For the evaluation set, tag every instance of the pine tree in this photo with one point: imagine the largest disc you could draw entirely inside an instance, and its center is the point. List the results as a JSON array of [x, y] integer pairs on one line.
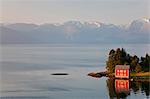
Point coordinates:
[[138, 68], [145, 62], [111, 61], [120, 57], [134, 63]]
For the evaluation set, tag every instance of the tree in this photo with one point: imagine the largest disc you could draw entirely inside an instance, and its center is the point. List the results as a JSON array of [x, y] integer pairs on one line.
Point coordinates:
[[111, 61], [138, 68], [117, 57], [145, 62], [134, 63], [124, 56], [120, 57]]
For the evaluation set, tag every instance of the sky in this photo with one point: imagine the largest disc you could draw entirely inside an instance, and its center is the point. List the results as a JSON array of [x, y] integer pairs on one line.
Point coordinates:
[[59, 11]]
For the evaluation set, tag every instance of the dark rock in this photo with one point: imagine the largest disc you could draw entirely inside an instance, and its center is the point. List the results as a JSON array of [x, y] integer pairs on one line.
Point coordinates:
[[60, 74]]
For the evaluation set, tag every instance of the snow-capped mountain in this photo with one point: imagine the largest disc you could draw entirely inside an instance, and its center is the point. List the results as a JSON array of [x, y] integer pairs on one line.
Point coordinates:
[[137, 31], [141, 24]]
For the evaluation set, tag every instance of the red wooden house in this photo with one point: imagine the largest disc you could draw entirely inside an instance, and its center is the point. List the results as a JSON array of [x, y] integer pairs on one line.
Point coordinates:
[[122, 71]]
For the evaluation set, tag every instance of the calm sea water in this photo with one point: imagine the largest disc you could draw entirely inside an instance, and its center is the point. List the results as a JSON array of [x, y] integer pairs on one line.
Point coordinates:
[[25, 72]]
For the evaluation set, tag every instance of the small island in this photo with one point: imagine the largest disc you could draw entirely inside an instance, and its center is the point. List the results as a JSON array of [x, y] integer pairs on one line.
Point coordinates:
[[139, 67]]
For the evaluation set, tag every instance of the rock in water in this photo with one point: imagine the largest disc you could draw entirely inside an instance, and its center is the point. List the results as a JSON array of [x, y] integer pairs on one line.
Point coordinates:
[[60, 74]]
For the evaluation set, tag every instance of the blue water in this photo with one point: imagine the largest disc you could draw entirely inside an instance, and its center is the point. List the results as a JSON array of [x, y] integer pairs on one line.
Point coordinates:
[[25, 71]]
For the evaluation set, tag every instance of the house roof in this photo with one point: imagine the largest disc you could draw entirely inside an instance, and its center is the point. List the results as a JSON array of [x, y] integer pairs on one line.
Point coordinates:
[[122, 67]]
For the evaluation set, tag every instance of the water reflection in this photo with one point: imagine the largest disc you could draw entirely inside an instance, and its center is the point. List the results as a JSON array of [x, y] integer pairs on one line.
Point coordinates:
[[143, 86], [121, 88]]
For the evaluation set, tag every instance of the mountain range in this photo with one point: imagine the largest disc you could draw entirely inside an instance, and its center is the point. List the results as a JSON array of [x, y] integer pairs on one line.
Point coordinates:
[[138, 31]]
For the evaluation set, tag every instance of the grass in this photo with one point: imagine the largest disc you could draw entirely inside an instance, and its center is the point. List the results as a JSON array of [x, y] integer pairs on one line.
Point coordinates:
[[140, 74]]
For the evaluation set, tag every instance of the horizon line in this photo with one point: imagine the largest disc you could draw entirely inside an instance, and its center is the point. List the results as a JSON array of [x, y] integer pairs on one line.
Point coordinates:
[[61, 23]]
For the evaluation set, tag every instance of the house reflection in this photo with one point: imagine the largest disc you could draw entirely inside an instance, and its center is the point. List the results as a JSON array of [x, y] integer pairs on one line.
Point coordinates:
[[119, 88], [122, 86]]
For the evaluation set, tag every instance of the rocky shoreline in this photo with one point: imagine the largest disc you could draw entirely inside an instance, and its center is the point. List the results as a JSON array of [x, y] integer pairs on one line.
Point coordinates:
[[99, 74], [111, 75]]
